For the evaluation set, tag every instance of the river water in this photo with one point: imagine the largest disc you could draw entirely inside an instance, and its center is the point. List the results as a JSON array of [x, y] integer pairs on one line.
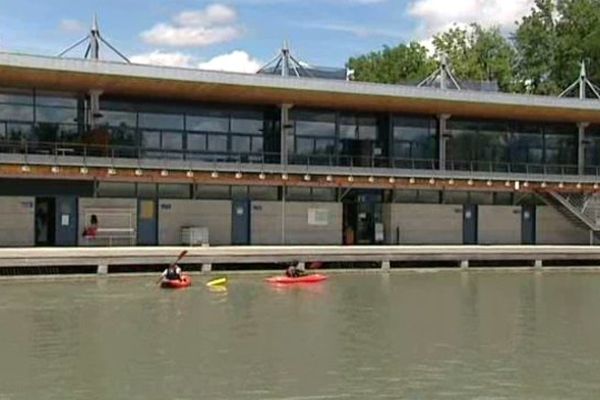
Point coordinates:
[[445, 335]]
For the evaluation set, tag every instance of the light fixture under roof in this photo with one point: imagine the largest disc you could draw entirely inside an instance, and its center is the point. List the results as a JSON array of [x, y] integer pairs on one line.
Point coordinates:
[[189, 174], [507, 183], [329, 178], [525, 184], [55, 169], [139, 172], [595, 186], [83, 171], [561, 185], [489, 182], [307, 177], [392, 180], [411, 181], [238, 175], [432, 181], [543, 184], [450, 181], [262, 176], [371, 179], [25, 168], [214, 175], [112, 171], [350, 178], [578, 186], [164, 172], [285, 176], [470, 182]]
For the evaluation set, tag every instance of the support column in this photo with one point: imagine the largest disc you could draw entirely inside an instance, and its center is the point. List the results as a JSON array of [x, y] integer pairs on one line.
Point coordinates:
[[94, 107], [102, 269], [464, 265], [386, 266], [442, 139], [206, 267], [284, 127], [581, 127], [538, 264]]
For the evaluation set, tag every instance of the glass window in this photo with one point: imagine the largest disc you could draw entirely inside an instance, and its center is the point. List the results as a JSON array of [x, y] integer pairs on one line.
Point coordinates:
[[257, 145], [324, 146], [304, 146], [217, 143], [239, 192], [367, 128], [240, 144], [55, 99], [172, 140], [16, 96], [323, 194], [313, 123], [115, 189], [212, 192], [348, 127], [262, 193], [151, 139], [298, 193], [56, 114], [118, 118], [196, 142], [19, 131], [248, 122], [9, 112], [146, 190], [415, 137], [161, 121], [207, 123]]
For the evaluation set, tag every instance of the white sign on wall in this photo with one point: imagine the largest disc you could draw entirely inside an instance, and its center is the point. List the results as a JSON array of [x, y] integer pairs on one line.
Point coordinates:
[[318, 216]]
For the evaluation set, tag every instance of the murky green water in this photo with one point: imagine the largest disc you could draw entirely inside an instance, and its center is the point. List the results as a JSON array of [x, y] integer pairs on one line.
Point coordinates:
[[448, 335]]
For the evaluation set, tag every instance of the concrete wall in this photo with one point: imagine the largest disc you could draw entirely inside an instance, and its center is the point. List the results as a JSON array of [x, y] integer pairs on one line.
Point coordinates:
[[553, 228], [118, 214], [176, 214], [499, 224], [265, 223], [17, 221], [423, 223]]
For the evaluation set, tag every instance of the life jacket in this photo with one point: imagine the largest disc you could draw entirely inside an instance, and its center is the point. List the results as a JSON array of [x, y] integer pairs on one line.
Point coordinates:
[[172, 274]]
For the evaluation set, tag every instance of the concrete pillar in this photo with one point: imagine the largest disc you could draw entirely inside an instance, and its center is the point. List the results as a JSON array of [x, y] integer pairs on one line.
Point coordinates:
[[301, 266], [102, 270], [442, 139], [386, 266], [464, 264], [284, 129], [581, 148], [206, 267], [94, 109], [538, 264]]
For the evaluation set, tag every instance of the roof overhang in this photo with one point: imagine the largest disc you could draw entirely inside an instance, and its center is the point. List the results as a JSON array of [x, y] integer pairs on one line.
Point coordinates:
[[51, 73]]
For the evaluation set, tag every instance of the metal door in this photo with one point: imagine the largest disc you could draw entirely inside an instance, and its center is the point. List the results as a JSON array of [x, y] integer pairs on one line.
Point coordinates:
[[66, 223], [528, 223], [470, 224], [147, 223], [240, 222]]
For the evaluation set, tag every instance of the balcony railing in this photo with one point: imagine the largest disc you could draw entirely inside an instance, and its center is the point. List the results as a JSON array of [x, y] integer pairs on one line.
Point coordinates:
[[60, 150]]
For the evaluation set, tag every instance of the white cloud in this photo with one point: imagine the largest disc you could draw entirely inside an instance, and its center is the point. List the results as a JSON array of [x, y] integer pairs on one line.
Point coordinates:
[[236, 61], [197, 28], [71, 25], [437, 15], [157, 57]]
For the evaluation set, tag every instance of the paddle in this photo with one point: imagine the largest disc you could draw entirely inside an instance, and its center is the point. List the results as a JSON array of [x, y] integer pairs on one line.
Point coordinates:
[[181, 255]]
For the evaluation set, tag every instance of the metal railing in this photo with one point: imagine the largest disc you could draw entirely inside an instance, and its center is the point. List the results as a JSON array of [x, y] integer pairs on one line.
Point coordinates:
[[60, 150]]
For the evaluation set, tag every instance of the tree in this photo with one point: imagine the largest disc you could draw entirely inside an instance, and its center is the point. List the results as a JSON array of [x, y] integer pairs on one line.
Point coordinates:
[[477, 53], [401, 64]]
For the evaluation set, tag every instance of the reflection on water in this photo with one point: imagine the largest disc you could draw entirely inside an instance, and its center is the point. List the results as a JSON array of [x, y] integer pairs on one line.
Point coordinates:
[[452, 335]]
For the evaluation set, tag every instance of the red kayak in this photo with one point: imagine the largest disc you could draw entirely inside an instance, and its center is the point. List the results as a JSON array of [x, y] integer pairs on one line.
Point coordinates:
[[183, 283], [300, 279]]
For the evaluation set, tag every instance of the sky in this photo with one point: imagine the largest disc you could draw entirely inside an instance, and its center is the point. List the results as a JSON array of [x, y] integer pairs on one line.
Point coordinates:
[[242, 35]]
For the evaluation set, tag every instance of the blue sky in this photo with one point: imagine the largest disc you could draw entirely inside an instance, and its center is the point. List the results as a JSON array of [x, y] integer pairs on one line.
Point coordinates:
[[192, 32]]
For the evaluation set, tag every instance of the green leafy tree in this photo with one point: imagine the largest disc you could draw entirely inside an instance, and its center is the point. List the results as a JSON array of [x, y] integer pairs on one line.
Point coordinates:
[[401, 64], [479, 54]]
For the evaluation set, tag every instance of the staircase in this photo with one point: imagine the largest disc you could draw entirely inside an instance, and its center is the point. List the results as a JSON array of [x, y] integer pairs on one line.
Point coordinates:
[[580, 209]]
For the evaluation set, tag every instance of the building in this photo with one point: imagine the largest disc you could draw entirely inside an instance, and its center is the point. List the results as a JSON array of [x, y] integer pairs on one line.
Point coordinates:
[[260, 159]]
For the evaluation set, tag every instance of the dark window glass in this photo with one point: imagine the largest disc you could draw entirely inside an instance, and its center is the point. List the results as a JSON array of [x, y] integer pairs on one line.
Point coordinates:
[[161, 121], [118, 118], [310, 123], [196, 142], [304, 146], [16, 96], [257, 145], [348, 127], [56, 114], [207, 123], [367, 129], [122, 136], [250, 122], [240, 144], [172, 140], [415, 137], [56, 100], [151, 139], [217, 143], [324, 146], [9, 112]]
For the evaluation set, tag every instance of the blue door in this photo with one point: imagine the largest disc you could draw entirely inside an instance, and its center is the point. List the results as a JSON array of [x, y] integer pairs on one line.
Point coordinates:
[[470, 224], [147, 223], [240, 226], [528, 224], [65, 233]]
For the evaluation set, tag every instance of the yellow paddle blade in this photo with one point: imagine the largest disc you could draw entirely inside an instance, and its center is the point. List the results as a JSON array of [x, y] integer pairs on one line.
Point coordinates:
[[217, 282]]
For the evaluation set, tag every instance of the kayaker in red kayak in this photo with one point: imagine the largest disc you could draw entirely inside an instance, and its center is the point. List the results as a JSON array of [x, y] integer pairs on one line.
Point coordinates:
[[294, 271], [173, 273]]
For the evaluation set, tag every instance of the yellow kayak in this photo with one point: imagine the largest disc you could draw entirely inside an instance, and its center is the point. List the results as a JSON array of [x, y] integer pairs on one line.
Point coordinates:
[[217, 282]]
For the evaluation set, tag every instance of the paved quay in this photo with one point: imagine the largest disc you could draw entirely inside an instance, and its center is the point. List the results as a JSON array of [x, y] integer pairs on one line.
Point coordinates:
[[463, 256]]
